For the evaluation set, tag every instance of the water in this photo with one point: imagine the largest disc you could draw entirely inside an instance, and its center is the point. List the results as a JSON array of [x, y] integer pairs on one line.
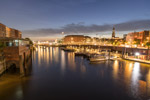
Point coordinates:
[[59, 75]]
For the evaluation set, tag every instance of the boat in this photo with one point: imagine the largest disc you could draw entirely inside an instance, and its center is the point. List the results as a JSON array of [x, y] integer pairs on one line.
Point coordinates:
[[79, 54], [98, 59], [68, 50]]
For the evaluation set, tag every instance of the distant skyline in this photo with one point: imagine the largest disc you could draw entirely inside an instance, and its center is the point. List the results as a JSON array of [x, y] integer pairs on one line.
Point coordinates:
[[46, 19]]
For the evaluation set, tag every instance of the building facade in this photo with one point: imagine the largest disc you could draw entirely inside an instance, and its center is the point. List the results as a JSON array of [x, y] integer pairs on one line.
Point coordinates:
[[142, 36], [74, 39], [2, 30], [15, 51], [9, 32]]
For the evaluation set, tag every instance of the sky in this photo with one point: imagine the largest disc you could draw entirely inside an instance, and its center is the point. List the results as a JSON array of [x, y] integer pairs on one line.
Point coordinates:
[[47, 19]]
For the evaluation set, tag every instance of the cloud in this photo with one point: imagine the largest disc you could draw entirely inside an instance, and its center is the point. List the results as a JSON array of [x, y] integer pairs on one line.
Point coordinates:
[[133, 25], [81, 28]]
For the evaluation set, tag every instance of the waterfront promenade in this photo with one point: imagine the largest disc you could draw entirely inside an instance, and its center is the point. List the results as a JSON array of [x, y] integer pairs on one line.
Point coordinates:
[[127, 53], [137, 60]]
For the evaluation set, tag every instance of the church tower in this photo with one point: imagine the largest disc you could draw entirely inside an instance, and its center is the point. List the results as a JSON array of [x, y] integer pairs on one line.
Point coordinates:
[[113, 33]]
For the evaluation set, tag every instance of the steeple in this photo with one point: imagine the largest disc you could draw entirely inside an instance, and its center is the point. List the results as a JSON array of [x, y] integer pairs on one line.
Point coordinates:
[[113, 32]]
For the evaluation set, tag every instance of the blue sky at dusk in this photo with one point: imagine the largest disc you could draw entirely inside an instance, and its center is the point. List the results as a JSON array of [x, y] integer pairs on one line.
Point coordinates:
[[46, 19]]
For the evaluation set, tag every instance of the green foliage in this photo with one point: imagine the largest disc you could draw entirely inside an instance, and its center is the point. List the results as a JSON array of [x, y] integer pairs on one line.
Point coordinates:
[[147, 44], [116, 42], [123, 41], [59, 41], [29, 40], [136, 41]]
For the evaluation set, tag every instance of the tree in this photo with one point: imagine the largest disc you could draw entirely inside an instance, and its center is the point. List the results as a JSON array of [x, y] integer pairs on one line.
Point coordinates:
[[136, 42], [116, 42], [30, 41]]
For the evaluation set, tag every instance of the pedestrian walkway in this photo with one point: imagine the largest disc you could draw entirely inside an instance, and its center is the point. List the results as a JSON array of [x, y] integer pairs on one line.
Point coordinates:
[[138, 60]]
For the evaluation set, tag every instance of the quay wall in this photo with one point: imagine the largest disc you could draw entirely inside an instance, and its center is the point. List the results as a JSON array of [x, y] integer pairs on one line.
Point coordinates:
[[129, 50], [17, 56], [2, 63]]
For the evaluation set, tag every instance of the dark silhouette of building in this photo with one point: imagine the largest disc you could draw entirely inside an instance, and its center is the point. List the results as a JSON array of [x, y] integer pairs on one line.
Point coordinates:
[[113, 33]]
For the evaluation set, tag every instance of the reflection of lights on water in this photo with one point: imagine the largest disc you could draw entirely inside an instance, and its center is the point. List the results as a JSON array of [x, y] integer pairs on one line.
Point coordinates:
[[62, 60], [39, 55], [136, 72], [55, 52], [44, 54], [116, 63], [47, 55], [148, 83], [130, 65], [71, 61], [115, 71], [83, 68], [19, 93], [148, 76], [128, 73], [36, 49], [51, 54], [135, 78]]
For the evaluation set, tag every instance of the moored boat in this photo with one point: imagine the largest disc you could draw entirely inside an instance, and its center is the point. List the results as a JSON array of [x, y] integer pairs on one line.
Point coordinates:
[[94, 59]]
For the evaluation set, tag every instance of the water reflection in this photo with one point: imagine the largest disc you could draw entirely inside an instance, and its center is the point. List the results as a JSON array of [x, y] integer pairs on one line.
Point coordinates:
[[148, 83], [55, 52], [115, 66], [51, 54], [61, 75], [19, 93], [135, 79], [71, 61], [63, 61]]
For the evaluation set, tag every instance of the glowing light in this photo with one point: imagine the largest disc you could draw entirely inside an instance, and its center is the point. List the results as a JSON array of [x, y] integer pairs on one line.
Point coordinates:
[[50, 43], [137, 53], [127, 46], [135, 45]]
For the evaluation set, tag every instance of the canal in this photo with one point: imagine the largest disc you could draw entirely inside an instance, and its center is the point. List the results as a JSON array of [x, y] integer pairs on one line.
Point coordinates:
[[59, 75]]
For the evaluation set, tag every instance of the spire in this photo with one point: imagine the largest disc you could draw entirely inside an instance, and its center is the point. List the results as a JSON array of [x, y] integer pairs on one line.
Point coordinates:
[[113, 32]]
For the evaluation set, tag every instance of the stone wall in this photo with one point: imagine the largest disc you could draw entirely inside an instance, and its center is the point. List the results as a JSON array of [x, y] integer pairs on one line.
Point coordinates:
[[2, 63], [12, 55]]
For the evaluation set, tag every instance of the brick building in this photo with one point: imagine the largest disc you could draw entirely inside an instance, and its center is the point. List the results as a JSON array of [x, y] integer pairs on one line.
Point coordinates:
[[77, 39], [2, 30], [9, 32], [142, 36], [16, 51]]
